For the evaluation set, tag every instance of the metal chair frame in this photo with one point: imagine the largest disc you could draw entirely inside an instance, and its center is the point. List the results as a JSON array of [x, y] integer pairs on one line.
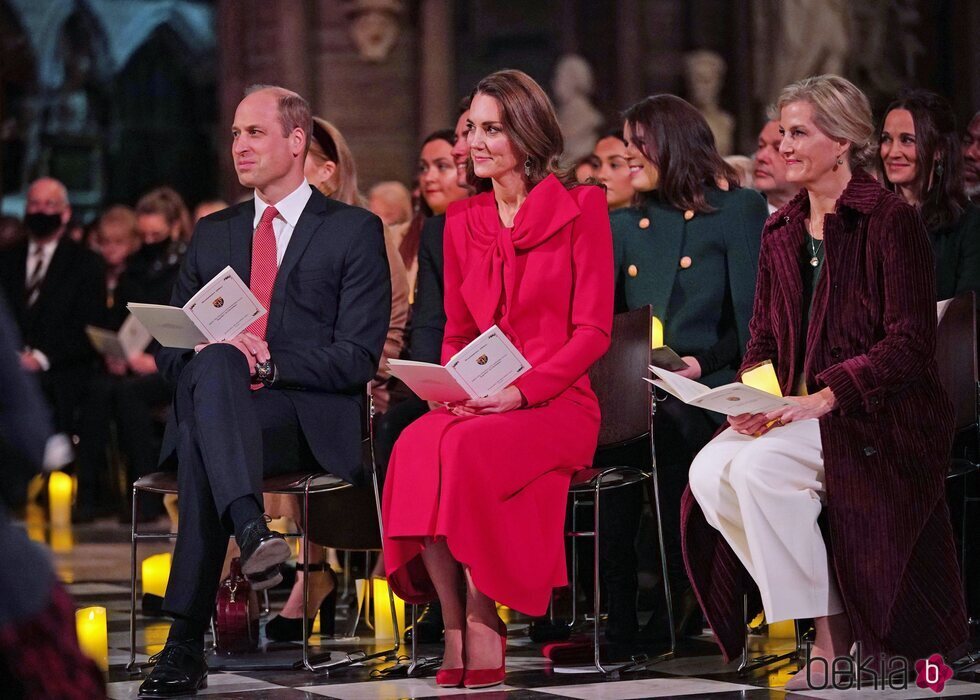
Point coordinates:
[[304, 485], [586, 488]]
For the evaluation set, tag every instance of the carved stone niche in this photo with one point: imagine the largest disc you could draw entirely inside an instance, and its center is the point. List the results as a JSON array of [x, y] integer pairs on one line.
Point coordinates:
[[374, 26]]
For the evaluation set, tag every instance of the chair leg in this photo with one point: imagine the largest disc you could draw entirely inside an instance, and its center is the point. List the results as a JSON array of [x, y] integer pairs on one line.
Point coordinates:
[[131, 666], [595, 580], [746, 664], [323, 663]]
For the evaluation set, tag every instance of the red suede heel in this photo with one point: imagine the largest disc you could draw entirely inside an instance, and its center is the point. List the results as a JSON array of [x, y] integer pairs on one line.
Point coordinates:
[[450, 678], [486, 677]]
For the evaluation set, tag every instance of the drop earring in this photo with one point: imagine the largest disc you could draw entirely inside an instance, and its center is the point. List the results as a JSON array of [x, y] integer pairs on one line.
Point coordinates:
[[939, 168], [840, 162], [527, 167]]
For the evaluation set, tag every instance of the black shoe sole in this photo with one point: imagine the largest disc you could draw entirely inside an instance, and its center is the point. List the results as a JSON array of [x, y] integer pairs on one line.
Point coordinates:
[[269, 578], [183, 693], [269, 554]]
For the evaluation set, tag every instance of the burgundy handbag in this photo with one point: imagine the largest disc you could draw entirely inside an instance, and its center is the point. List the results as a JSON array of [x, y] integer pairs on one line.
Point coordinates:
[[236, 623]]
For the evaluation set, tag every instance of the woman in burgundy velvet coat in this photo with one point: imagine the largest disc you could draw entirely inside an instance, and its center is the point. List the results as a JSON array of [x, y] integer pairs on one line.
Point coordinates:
[[845, 309], [475, 493]]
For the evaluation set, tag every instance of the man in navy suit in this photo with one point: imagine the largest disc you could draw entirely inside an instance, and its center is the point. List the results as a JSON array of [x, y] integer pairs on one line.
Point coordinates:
[[285, 393]]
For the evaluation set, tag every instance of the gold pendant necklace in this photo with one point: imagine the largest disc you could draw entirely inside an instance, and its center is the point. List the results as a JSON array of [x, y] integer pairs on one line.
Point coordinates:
[[814, 249]]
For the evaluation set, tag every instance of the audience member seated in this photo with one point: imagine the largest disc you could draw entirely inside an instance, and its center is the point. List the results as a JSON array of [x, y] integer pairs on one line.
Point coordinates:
[[585, 170], [845, 310], [392, 202], [282, 396], [612, 170], [115, 239], [132, 393], [690, 251], [12, 232], [769, 175], [971, 158], [330, 168], [922, 162], [55, 288], [475, 494]]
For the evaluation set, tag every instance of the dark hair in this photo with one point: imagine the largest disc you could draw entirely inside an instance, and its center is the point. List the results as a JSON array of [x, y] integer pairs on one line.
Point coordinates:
[[678, 141], [463, 105], [530, 122], [424, 211], [939, 159]]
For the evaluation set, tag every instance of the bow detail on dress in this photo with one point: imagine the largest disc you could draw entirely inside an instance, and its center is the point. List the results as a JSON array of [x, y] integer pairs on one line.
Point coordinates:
[[489, 279]]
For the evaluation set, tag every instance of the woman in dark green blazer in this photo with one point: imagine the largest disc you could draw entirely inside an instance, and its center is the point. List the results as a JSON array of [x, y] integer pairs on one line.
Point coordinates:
[[689, 249]]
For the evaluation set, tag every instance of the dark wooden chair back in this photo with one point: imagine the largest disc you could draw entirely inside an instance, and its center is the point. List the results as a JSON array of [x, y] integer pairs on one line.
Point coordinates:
[[617, 379], [347, 518], [956, 355]]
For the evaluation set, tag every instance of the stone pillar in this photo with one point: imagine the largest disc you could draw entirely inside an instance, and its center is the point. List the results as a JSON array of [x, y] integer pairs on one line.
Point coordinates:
[[437, 108]]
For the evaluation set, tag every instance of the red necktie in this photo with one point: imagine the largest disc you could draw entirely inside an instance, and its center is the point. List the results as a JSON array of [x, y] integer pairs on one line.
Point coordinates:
[[264, 268]]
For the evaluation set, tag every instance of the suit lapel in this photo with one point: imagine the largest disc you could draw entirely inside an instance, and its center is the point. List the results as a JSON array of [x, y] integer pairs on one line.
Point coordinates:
[[309, 222], [240, 231]]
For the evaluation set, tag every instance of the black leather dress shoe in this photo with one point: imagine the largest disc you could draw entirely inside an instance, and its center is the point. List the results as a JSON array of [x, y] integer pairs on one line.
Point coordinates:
[[262, 552], [428, 625], [180, 670]]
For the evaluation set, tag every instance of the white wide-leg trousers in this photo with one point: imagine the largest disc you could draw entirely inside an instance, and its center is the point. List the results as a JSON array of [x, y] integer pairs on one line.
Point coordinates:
[[764, 495]]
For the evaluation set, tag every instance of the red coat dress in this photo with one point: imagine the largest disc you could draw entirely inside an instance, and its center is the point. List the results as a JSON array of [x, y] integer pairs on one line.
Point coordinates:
[[886, 447], [495, 486]]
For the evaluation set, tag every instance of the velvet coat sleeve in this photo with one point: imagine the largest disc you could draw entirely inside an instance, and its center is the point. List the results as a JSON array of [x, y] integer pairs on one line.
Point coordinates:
[[861, 383], [592, 304]]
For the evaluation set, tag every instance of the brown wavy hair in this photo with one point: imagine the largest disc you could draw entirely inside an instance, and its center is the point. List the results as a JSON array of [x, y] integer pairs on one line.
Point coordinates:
[[939, 159], [678, 141], [530, 122]]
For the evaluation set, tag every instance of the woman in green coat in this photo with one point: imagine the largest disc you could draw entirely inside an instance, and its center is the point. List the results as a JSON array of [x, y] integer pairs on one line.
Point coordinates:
[[689, 249]]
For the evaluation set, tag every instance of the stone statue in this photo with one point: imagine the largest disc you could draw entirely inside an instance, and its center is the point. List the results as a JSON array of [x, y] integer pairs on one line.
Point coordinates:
[[794, 39], [580, 120], [704, 72], [374, 26]]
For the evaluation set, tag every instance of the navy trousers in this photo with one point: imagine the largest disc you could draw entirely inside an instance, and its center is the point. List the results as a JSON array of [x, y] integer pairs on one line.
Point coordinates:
[[229, 437]]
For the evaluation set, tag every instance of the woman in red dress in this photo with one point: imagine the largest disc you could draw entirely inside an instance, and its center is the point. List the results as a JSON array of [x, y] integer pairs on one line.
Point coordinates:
[[475, 494]]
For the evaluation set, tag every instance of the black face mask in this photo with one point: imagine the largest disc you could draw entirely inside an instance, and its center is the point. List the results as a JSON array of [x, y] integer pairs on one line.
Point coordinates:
[[42, 225]]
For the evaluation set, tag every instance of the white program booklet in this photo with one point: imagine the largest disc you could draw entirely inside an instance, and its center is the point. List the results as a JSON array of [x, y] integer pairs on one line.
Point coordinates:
[[222, 309], [131, 339], [731, 399], [487, 365]]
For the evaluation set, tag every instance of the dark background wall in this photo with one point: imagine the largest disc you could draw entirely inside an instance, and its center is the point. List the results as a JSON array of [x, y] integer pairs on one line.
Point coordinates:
[[157, 109]]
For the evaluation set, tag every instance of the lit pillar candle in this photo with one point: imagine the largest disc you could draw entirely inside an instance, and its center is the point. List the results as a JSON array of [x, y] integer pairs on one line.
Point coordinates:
[[60, 489], [382, 611], [156, 573], [656, 332], [93, 638], [763, 377]]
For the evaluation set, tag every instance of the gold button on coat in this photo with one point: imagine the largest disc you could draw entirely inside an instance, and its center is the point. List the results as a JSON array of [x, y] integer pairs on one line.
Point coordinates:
[[631, 271], [644, 222], [685, 262], [688, 215]]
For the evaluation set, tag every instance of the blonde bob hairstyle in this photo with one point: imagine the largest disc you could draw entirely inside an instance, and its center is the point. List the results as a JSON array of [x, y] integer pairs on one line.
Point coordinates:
[[329, 144], [840, 111]]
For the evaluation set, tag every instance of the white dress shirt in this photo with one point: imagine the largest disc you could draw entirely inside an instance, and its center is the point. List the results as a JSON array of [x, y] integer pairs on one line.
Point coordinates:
[[290, 208], [47, 252]]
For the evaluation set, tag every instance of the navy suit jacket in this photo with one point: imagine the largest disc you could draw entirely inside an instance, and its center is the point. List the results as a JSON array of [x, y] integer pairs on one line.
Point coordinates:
[[429, 314], [327, 323]]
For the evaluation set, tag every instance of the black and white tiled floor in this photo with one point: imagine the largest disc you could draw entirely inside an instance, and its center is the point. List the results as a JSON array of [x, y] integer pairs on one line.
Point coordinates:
[[96, 569]]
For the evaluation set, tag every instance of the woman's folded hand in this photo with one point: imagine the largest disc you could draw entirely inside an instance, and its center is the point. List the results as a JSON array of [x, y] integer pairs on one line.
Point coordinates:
[[501, 402]]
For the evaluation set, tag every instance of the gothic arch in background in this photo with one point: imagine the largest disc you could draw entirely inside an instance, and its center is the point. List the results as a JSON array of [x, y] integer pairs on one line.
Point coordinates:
[[163, 114]]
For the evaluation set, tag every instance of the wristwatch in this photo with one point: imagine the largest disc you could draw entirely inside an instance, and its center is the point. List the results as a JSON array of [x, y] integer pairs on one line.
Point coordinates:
[[265, 372]]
